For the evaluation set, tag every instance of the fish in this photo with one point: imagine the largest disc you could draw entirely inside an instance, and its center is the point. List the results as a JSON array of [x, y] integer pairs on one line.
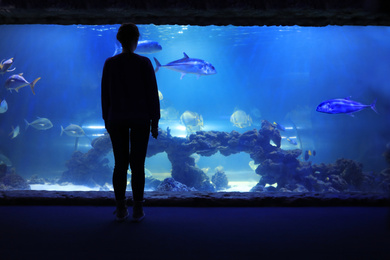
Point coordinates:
[[253, 165], [143, 47], [147, 47], [5, 65], [292, 141], [343, 106], [275, 185], [118, 48], [307, 154], [15, 132], [3, 106], [17, 81], [73, 130], [40, 124], [160, 95], [188, 65], [241, 119], [279, 126], [169, 113], [192, 121]]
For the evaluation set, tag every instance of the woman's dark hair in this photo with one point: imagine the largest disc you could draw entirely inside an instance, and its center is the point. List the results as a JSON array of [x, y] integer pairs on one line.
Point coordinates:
[[127, 34]]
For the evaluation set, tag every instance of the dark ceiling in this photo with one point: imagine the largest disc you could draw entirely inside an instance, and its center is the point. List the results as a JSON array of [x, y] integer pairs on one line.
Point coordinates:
[[199, 12]]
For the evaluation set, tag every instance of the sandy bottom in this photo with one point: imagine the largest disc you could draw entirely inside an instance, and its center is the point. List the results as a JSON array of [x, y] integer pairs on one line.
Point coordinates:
[[235, 186], [57, 187]]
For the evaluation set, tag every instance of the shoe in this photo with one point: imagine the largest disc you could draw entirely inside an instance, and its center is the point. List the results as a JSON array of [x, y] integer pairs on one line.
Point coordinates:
[[121, 211], [138, 212]]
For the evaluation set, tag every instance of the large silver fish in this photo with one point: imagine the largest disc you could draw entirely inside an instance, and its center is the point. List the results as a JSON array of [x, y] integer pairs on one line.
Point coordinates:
[[188, 65], [343, 105], [16, 82], [40, 124], [5, 65], [73, 130], [143, 47], [148, 47]]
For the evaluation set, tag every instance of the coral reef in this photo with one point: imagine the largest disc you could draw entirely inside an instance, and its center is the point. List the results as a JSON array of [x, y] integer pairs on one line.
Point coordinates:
[[35, 179], [384, 176], [275, 164], [10, 180], [219, 179], [152, 183], [170, 184], [89, 169], [3, 170]]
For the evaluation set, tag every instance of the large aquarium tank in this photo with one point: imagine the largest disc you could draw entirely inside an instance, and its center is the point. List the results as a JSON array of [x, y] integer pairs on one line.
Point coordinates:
[[259, 109]]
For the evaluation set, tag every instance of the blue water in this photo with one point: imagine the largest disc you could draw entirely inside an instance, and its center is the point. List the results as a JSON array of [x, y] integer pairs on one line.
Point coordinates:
[[276, 73]]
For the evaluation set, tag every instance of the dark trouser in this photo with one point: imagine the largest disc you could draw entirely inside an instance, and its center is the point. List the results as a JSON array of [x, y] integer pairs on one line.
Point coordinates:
[[139, 138]]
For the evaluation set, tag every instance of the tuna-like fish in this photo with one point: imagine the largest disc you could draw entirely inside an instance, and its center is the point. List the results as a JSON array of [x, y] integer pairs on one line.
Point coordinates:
[[16, 81], [5, 65], [73, 130], [143, 47], [3, 106], [188, 65], [343, 106], [148, 47], [40, 124]]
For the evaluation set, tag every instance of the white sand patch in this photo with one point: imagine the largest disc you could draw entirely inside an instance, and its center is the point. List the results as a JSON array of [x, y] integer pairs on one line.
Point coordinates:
[[56, 187]]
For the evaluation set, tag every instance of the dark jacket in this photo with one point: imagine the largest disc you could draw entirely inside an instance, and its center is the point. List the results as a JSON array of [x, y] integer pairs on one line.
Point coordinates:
[[129, 89]]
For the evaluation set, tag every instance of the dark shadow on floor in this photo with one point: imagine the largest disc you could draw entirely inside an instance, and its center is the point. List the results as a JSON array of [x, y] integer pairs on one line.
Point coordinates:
[[88, 232]]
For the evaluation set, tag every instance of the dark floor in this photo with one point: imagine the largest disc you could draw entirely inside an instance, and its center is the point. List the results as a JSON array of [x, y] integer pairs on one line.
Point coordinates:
[[88, 232]]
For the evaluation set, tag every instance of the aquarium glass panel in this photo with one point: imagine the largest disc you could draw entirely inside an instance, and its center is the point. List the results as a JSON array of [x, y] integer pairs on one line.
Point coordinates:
[[261, 109]]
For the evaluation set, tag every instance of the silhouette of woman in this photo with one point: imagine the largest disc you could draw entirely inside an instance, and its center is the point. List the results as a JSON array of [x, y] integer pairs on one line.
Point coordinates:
[[129, 97]]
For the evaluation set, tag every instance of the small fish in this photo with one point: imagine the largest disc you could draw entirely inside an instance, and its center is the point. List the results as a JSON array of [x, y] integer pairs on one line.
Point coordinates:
[[314, 152], [292, 141], [15, 132], [5, 65], [16, 81], [40, 124], [308, 153], [192, 121], [241, 119], [3, 106], [343, 106], [73, 130], [275, 185], [188, 65], [169, 113], [253, 165], [148, 47], [279, 126], [160, 95]]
